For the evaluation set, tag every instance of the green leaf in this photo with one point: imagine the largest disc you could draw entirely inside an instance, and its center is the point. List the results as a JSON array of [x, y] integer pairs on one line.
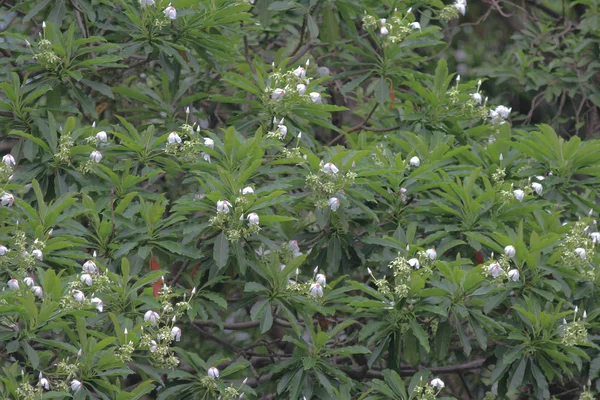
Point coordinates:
[[221, 250]]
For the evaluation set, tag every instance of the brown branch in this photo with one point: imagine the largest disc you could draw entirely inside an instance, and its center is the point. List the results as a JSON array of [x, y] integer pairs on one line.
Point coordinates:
[[339, 137]]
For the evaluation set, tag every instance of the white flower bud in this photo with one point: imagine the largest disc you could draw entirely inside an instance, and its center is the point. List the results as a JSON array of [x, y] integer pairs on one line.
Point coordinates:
[[315, 97], [321, 279], [510, 250], [415, 161], [102, 137], [213, 372], [75, 385]]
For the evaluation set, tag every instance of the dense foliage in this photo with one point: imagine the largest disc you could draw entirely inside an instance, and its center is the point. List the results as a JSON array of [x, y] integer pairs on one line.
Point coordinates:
[[222, 199]]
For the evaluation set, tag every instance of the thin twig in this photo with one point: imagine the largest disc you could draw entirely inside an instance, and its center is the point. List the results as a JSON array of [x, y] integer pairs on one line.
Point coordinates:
[[339, 137]]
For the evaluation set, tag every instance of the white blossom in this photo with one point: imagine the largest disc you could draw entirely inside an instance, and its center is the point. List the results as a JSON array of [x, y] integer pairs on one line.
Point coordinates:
[[437, 383], [277, 94], [503, 111], [13, 284], [223, 206], [75, 385], [300, 72], [151, 316], [301, 88], [86, 278], [537, 187], [37, 291], [38, 254], [495, 269], [580, 252], [79, 296], [476, 97], [44, 382], [253, 219], [519, 194], [330, 169], [9, 160], [594, 235], [170, 12], [247, 190], [334, 203], [7, 199], [102, 137], [431, 253], [461, 6], [414, 262], [208, 142], [29, 281], [153, 346], [513, 275], [316, 290], [173, 138], [89, 266], [415, 25], [146, 2], [96, 156], [315, 97], [176, 333]]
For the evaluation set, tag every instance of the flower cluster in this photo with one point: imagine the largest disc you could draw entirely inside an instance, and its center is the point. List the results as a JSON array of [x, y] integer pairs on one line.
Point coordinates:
[[501, 269], [288, 89], [45, 55], [402, 269], [231, 219], [188, 145], [396, 28], [6, 168], [574, 332], [160, 330], [76, 299], [577, 248], [99, 139], [454, 10], [328, 185], [428, 390]]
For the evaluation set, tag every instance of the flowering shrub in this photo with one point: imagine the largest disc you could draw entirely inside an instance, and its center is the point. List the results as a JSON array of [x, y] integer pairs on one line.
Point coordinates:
[[225, 200]]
